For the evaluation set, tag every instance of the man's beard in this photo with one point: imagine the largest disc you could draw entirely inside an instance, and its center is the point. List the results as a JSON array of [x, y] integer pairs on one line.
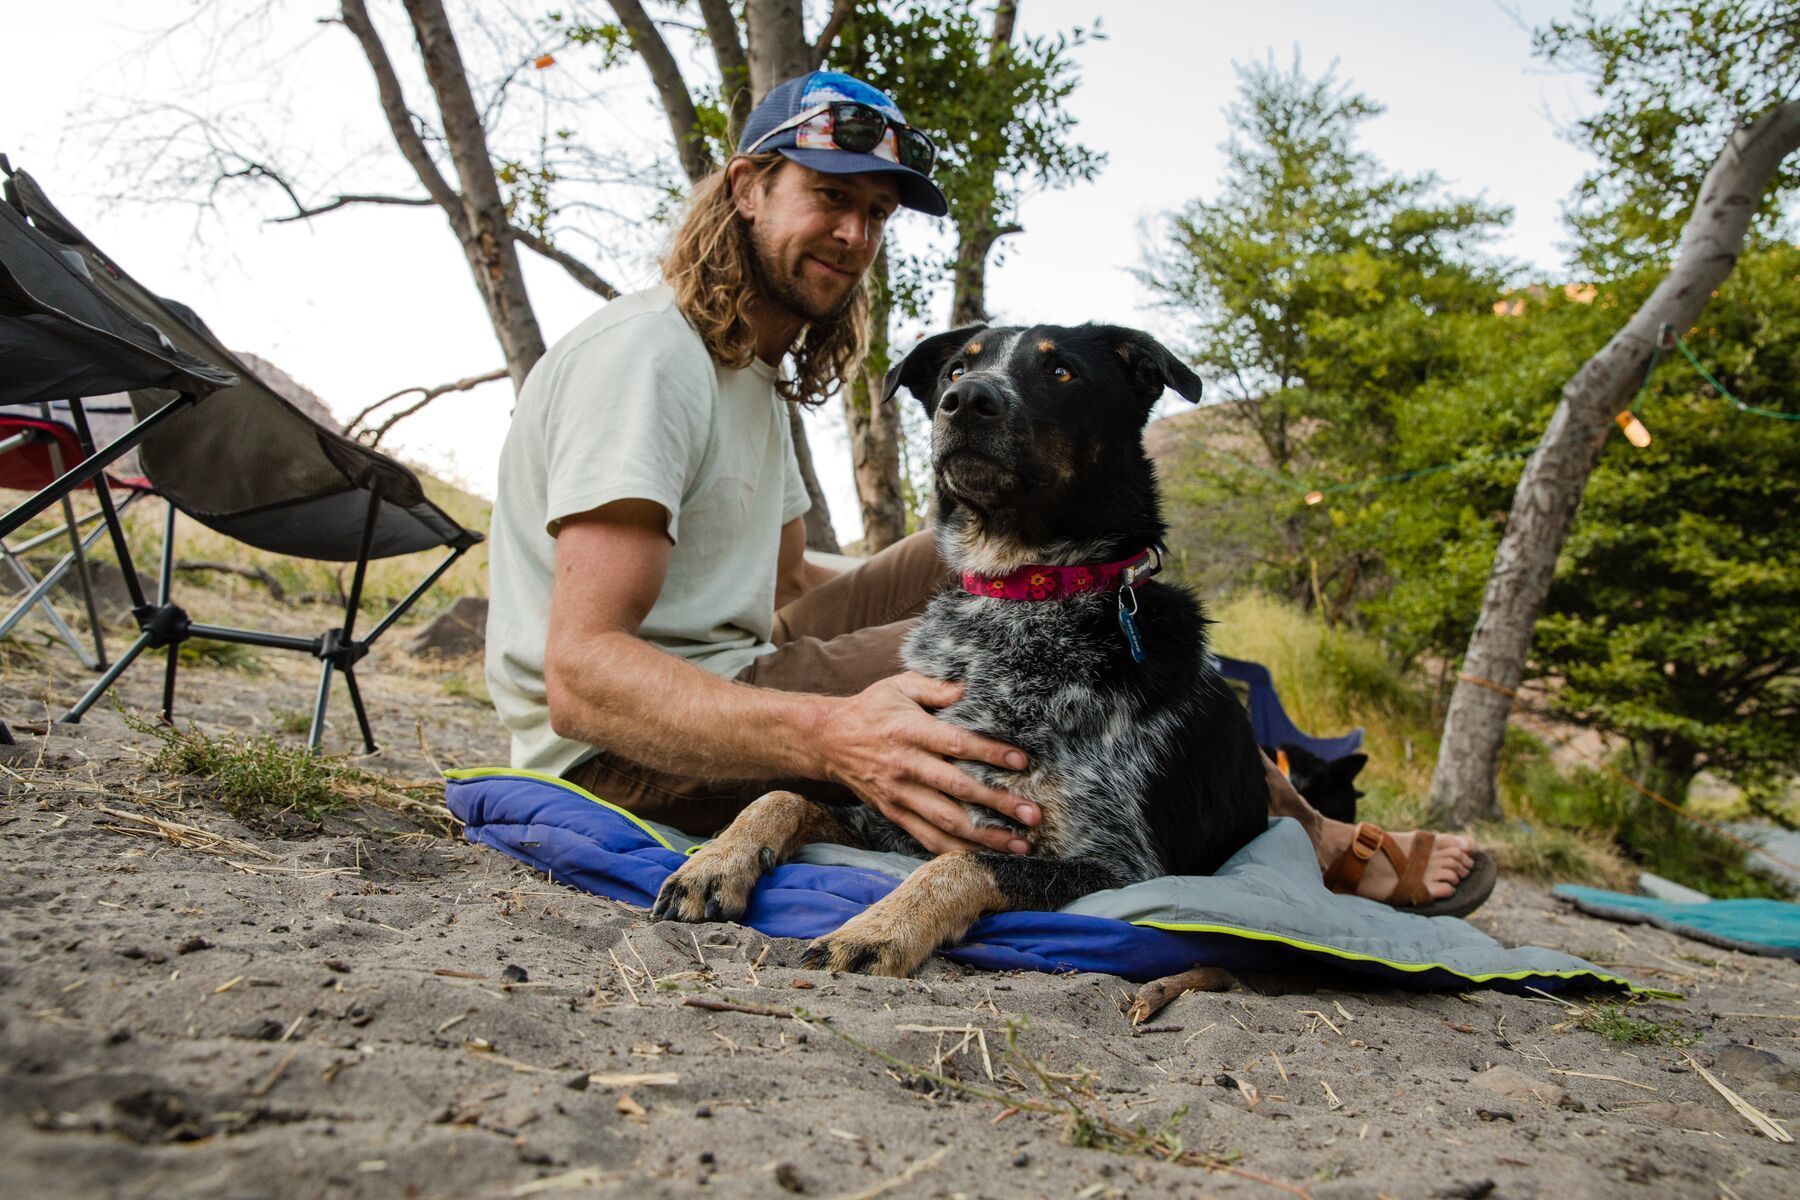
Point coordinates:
[[786, 290]]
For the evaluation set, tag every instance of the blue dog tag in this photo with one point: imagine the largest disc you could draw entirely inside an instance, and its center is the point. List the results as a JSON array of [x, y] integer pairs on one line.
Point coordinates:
[[1128, 624]]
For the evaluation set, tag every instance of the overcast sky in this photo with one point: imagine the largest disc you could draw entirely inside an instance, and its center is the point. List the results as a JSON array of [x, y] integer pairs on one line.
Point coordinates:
[[364, 302]]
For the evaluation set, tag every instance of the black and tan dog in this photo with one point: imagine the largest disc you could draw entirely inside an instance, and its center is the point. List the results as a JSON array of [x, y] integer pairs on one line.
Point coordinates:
[[1142, 761]]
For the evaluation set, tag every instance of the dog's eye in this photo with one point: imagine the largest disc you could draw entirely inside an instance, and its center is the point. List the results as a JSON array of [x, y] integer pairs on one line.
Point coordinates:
[[956, 372], [1062, 373]]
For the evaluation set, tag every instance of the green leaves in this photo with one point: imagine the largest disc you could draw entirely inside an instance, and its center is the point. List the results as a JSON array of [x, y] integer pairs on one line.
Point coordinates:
[[1675, 77]]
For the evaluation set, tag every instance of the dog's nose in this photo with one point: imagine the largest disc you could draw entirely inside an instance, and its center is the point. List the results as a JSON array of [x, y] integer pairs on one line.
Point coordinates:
[[972, 400]]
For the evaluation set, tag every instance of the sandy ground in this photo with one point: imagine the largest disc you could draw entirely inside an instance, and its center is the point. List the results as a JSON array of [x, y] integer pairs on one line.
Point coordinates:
[[376, 1010]]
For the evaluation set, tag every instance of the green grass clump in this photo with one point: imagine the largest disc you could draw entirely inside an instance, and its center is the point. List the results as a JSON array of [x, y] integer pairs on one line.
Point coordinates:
[[229, 656], [1612, 1022], [254, 774], [260, 776], [291, 720], [1592, 804]]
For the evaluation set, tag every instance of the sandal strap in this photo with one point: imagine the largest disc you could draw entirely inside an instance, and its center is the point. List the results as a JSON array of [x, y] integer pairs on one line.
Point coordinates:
[[1412, 890], [1346, 873]]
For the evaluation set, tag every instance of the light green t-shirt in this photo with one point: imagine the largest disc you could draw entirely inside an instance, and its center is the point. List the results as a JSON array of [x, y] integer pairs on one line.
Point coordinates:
[[630, 405]]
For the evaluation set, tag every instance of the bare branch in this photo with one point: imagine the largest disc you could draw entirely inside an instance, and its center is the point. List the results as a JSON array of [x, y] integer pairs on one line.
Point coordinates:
[[256, 574], [840, 12], [346, 201], [426, 396], [671, 88], [734, 67], [580, 271], [400, 118]]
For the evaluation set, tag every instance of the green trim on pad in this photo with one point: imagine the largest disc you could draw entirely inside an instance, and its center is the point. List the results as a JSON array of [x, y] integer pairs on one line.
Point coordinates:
[[1260, 935], [516, 773]]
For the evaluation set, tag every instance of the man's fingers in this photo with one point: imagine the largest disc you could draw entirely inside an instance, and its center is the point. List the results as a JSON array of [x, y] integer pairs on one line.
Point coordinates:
[[925, 833], [923, 689], [950, 820], [960, 785], [955, 742]]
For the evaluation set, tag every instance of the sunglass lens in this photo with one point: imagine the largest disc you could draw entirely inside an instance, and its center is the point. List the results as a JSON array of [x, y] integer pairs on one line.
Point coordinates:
[[916, 150], [857, 127]]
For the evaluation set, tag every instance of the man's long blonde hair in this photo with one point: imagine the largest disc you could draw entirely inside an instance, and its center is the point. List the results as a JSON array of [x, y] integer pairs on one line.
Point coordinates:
[[711, 266]]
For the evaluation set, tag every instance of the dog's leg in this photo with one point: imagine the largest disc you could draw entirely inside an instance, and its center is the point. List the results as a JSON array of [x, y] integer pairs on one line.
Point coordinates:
[[938, 902], [714, 883]]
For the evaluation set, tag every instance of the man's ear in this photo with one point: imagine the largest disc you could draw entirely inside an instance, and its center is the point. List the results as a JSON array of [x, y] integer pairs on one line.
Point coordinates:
[[1151, 364], [924, 362]]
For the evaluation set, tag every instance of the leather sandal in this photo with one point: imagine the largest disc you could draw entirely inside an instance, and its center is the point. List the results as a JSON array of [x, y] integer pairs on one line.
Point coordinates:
[[1410, 894]]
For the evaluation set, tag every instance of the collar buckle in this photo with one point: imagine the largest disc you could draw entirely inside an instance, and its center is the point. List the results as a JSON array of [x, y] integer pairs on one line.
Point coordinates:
[[1152, 565]]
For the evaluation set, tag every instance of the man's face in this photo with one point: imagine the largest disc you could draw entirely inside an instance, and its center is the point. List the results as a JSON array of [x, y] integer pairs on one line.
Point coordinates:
[[814, 235]]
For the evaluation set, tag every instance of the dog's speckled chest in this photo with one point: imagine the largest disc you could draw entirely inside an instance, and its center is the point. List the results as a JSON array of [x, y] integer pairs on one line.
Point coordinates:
[[1039, 676]]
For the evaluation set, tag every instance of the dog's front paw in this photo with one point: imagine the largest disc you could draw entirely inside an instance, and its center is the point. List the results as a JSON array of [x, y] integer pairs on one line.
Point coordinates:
[[865, 947], [713, 884]]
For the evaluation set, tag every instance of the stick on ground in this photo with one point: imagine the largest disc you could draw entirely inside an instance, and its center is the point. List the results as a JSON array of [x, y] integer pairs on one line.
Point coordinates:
[[1155, 996]]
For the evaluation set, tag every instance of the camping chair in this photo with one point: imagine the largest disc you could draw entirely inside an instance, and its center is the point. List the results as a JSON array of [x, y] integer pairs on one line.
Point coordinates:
[[246, 463], [38, 443], [1270, 721]]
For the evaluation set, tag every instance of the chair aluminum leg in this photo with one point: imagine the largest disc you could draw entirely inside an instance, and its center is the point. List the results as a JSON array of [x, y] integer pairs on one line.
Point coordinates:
[[318, 723], [50, 614], [168, 704], [74, 715], [81, 567], [362, 716]]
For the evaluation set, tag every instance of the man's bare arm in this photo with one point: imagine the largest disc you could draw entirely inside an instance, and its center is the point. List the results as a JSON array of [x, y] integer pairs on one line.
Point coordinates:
[[606, 687]]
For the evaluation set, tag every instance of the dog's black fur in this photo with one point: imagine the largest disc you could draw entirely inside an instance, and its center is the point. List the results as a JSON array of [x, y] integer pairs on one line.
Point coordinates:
[[1327, 785], [1139, 769]]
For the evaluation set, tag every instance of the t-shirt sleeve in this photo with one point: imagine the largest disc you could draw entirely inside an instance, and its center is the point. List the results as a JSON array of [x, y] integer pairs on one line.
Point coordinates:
[[628, 418], [794, 502]]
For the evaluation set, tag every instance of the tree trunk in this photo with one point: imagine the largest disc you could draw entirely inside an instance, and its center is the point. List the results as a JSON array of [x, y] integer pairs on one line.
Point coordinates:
[[1549, 491], [775, 35], [875, 428], [819, 533], [976, 232], [671, 88], [486, 237]]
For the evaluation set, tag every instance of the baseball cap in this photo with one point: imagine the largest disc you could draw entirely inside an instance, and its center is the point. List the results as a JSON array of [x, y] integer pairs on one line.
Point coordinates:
[[810, 143]]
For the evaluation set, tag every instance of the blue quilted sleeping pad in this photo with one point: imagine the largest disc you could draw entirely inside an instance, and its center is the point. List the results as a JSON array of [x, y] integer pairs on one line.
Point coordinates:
[[1266, 908]]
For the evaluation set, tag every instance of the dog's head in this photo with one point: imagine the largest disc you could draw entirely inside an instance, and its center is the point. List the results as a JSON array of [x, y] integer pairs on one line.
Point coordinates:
[[1037, 440], [1329, 786]]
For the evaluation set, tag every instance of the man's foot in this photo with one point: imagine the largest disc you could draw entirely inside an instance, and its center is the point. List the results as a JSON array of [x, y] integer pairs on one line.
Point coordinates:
[[1436, 874]]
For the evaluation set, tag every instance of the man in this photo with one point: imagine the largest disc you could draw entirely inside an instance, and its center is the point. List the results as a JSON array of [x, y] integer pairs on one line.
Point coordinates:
[[655, 633]]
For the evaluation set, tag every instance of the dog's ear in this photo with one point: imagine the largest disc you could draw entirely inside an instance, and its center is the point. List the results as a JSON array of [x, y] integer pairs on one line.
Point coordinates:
[[1346, 769], [924, 362], [1151, 364]]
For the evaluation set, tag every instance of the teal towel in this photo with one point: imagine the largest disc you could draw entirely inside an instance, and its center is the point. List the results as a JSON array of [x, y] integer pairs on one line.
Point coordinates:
[[1770, 927]]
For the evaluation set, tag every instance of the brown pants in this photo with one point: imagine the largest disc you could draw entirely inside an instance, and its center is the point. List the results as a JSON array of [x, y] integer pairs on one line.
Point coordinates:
[[835, 640]]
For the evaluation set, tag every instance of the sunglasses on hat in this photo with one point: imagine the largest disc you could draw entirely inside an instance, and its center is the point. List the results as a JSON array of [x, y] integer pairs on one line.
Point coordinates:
[[860, 129]]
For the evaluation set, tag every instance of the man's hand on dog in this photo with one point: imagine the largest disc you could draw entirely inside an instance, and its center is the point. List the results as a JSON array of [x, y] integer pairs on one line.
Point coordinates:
[[886, 747]]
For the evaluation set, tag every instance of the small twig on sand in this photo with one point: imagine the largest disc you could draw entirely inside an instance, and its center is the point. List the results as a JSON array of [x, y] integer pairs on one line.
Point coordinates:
[[901, 1180], [1155, 996], [1745, 1109], [715, 1004], [262, 1089], [191, 836]]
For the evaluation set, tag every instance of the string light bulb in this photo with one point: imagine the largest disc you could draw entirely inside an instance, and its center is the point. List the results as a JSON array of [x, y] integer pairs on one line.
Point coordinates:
[[1635, 433]]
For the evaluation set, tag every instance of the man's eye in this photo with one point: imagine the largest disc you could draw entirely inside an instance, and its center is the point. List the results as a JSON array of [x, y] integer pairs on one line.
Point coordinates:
[[956, 372], [1062, 373]]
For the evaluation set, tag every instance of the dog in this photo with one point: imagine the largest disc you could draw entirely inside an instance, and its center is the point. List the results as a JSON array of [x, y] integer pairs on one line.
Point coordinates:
[[1142, 761], [1327, 785]]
